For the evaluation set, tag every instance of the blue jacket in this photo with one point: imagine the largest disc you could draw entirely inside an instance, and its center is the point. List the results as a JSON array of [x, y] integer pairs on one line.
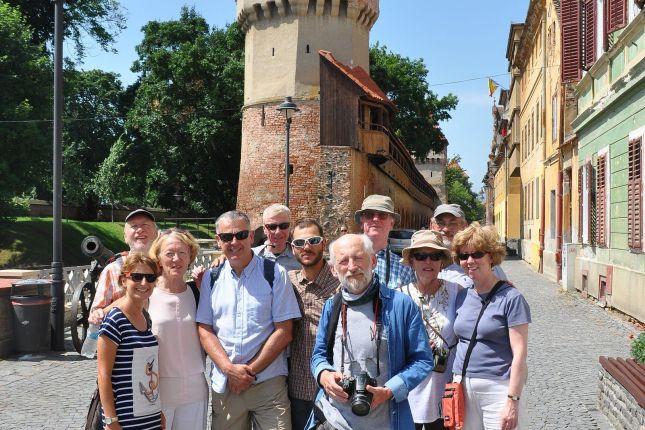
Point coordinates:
[[410, 357]]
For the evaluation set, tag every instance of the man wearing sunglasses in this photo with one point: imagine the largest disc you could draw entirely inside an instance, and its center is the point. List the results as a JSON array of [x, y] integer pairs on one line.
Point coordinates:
[[449, 219], [245, 325], [313, 285], [276, 220], [139, 232], [377, 218]]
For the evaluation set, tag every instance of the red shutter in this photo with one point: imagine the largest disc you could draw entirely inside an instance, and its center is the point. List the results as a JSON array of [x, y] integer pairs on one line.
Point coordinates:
[[601, 200], [580, 202], [590, 204], [570, 41], [589, 47], [617, 17], [634, 196]]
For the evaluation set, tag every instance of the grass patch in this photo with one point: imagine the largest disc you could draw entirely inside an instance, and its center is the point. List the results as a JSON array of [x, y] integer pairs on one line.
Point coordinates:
[[27, 242]]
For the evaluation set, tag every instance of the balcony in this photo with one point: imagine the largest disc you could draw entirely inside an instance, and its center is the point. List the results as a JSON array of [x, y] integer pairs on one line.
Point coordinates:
[[514, 160]]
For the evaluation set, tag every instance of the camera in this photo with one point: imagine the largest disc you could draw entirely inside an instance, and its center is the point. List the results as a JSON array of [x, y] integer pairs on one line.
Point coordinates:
[[440, 359], [356, 389]]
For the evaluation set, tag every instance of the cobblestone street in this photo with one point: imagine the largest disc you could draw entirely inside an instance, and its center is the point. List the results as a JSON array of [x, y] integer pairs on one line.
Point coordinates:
[[565, 339]]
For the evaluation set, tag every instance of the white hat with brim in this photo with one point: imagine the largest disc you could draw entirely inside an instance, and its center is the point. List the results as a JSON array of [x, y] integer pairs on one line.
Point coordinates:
[[377, 203], [425, 239]]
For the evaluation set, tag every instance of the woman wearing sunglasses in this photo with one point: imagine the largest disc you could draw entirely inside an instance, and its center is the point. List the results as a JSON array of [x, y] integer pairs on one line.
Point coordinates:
[[128, 365], [173, 305], [495, 369], [428, 255]]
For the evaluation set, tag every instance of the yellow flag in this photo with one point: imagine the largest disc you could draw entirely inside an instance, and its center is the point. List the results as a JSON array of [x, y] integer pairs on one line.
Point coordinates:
[[492, 86]]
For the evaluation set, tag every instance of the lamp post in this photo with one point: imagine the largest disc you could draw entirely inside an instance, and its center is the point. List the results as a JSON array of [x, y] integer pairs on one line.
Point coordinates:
[[289, 108], [57, 316]]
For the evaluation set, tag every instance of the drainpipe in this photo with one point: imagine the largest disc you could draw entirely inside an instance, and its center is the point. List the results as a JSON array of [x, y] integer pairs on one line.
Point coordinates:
[[543, 125]]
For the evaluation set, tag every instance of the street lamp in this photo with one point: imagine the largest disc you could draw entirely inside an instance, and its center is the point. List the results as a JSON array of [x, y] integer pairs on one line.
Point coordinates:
[[57, 316], [289, 108]]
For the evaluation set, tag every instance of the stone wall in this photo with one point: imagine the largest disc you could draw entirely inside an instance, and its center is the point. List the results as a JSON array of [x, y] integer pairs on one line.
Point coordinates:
[[617, 404]]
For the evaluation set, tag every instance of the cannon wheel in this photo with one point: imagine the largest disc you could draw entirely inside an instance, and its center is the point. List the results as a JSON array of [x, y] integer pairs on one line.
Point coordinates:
[[81, 303]]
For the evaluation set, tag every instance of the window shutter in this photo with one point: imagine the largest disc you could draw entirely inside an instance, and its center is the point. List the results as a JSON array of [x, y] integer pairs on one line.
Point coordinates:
[[570, 58], [589, 36], [634, 196], [591, 207], [580, 202], [617, 17], [601, 203]]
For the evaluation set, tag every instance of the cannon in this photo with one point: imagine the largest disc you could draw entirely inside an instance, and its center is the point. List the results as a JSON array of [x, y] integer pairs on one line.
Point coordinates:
[[83, 296]]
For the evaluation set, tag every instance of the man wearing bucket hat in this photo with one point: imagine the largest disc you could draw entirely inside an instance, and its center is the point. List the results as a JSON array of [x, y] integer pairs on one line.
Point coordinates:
[[449, 219], [377, 218], [139, 231], [436, 298]]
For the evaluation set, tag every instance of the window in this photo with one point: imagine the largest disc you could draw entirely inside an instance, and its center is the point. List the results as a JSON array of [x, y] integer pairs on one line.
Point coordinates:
[[552, 210], [537, 198], [587, 204], [635, 191], [601, 198], [554, 117]]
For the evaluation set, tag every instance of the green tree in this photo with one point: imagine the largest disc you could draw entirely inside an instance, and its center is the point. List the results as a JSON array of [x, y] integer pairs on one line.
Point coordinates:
[[187, 112], [419, 109], [25, 101], [93, 121], [101, 20], [459, 190]]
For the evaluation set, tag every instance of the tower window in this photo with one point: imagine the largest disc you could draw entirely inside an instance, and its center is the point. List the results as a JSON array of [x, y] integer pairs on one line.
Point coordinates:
[[273, 52], [262, 118], [343, 8], [307, 48]]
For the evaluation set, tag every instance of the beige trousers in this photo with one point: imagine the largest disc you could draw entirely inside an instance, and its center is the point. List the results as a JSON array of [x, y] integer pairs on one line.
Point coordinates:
[[265, 405]]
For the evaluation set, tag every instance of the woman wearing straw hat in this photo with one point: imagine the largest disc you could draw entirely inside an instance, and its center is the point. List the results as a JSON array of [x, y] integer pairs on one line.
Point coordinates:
[[428, 255]]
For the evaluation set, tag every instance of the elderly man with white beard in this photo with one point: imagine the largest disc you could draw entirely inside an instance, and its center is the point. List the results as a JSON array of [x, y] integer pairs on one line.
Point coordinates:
[[371, 347]]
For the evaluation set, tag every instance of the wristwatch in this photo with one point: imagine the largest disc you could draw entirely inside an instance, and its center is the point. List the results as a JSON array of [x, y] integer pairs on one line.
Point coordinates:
[[512, 397], [111, 420]]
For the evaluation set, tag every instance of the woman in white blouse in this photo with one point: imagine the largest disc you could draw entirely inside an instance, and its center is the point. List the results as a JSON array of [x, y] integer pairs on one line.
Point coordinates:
[[427, 255], [173, 305]]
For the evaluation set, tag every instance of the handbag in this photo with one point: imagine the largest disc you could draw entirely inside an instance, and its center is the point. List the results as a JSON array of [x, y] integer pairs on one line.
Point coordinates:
[[453, 403], [93, 420]]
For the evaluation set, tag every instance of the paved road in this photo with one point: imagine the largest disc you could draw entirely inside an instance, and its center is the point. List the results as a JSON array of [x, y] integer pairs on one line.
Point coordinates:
[[566, 337]]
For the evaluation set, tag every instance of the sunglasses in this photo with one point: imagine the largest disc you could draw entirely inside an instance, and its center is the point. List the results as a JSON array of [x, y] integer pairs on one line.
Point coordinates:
[[371, 214], [281, 226], [228, 237], [423, 256], [476, 255], [138, 277], [313, 240]]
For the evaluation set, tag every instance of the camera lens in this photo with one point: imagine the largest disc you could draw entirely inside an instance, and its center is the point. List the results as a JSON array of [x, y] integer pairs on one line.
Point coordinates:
[[360, 405]]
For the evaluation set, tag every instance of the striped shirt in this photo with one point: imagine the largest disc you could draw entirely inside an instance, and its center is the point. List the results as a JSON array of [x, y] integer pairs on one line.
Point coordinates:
[[399, 274], [135, 375]]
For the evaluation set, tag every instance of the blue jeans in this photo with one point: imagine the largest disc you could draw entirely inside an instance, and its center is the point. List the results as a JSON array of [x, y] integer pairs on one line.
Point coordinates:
[[300, 411]]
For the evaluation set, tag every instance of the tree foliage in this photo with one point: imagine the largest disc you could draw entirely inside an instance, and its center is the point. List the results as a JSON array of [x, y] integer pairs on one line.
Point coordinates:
[[187, 112], [94, 121], [459, 190], [101, 20], [419, 109], [25, 97]]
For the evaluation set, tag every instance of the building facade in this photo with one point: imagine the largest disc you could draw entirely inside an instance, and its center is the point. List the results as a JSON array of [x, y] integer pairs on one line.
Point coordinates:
[[608, 261], [341, 147]]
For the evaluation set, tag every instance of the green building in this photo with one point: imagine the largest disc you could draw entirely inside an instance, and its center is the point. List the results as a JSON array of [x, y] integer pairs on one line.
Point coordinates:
[[608, 262]]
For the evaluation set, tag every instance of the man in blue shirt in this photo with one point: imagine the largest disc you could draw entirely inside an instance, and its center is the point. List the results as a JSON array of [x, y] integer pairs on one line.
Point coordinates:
[[245, 324], [377, 218], [374, 331]]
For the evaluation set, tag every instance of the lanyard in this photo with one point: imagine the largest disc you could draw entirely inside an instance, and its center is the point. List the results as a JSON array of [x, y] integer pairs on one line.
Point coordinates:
[[377, 328], [387, 266]]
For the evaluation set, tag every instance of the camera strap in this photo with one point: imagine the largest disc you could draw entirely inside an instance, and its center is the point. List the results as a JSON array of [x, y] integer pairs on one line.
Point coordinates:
[[377, 329], [473, 338], [425, 320], [387, 266]]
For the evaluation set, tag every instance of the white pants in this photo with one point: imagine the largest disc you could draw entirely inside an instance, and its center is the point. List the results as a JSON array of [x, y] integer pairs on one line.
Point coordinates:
[[190, 416], [485, 399]]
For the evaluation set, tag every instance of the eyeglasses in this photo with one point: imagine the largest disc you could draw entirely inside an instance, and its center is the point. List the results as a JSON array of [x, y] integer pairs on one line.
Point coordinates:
[[476, 255], [228, 237], [449, 224], [138, 277], [372, 214], [313, 240], [423, 256], [281, 226]]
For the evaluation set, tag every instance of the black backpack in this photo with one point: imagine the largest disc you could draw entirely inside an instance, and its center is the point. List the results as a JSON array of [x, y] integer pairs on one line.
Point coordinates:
[[269, 273]]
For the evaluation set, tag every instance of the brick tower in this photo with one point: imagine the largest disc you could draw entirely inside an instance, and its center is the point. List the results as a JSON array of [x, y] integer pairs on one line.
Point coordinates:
[[283, 40]]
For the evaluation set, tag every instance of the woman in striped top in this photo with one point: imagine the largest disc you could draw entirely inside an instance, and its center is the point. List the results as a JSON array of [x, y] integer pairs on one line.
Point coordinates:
[[128, 369]]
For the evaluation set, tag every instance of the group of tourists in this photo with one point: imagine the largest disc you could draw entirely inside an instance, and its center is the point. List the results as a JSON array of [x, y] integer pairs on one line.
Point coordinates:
[[363, 339]]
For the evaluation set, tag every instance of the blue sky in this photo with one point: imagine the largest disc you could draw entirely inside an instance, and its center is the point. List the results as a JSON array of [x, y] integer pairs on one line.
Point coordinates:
[[457, 40]]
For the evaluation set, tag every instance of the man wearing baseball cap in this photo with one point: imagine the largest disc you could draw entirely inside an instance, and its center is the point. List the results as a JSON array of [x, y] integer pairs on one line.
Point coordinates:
[[139, 231], [377, 218], [449, 219]]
